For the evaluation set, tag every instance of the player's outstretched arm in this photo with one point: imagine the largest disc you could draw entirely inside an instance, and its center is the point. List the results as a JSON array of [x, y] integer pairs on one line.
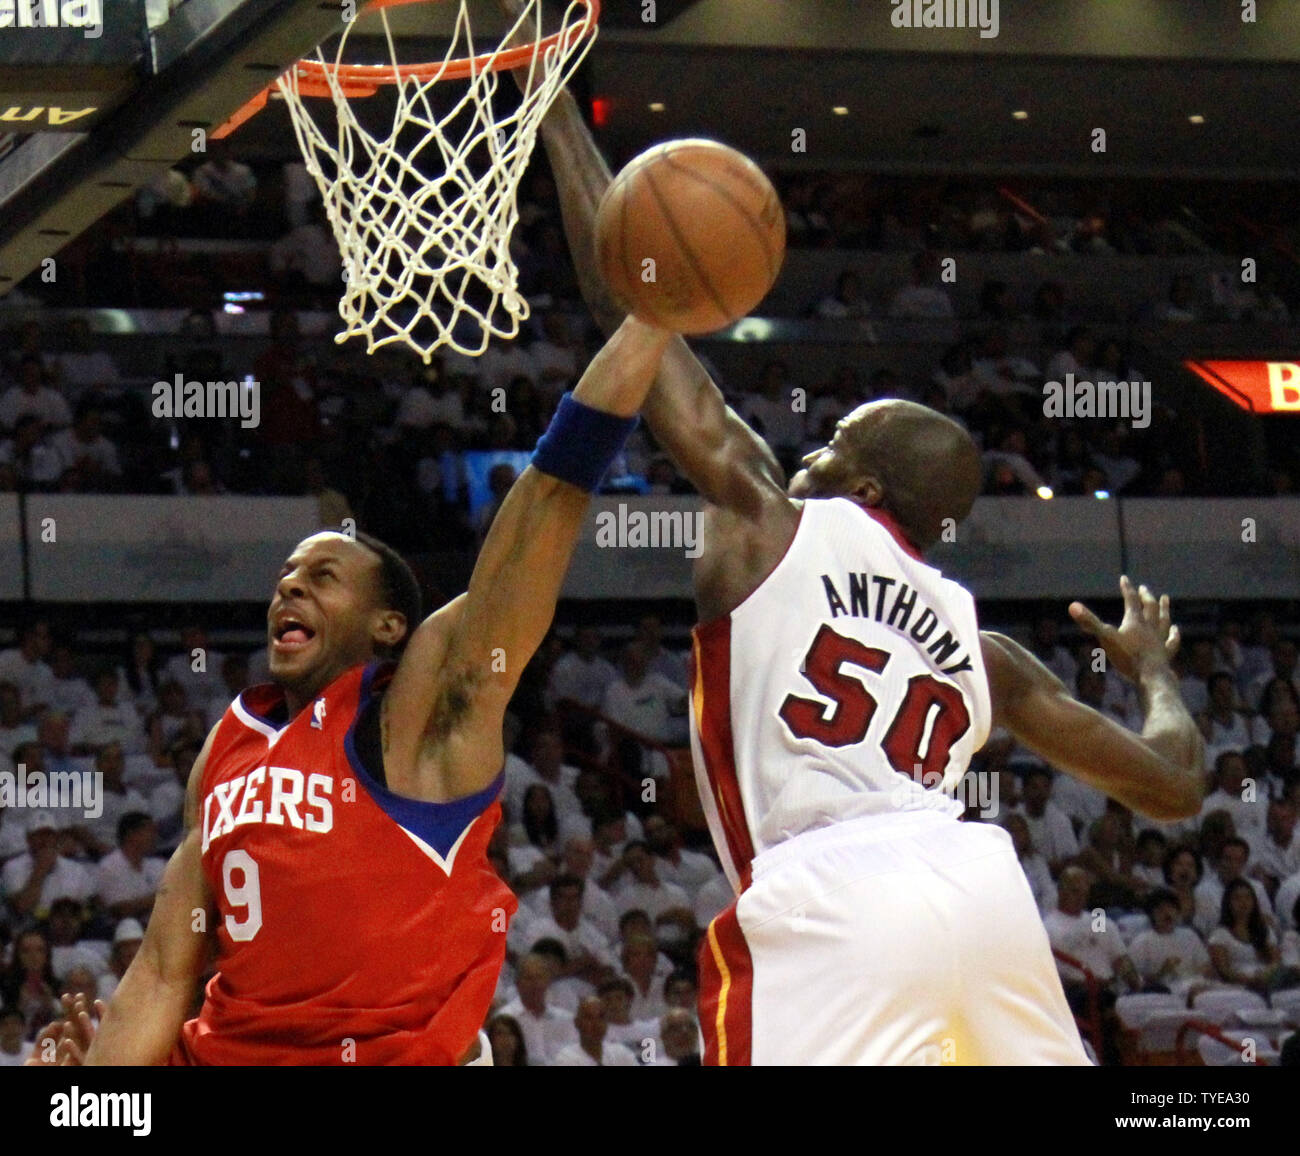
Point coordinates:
[[144, 1017], [443, 712], [722, 456], [1158, 773]]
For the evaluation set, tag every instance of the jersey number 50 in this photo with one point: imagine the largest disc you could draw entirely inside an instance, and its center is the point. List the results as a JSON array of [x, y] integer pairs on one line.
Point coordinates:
[[854, 706]]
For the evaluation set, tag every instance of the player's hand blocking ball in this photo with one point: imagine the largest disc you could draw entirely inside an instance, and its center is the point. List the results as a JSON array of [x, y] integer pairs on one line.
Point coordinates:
[[690, 236]]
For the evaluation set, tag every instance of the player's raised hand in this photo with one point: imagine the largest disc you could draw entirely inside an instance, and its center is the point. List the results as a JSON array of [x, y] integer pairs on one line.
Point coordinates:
[[79, 1030], [63, 1042], [1143, 641]]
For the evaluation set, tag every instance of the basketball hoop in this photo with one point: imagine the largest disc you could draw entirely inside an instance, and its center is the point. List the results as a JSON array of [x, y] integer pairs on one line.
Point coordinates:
[[426, 251]]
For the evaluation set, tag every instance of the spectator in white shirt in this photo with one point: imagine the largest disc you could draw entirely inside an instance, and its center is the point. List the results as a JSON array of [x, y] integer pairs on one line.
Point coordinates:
[[14, 729], [1283, 657], [592, 1049], [1088, 937], [1275, 851], [25, 666], [923, 297], [1031, 862], [69, 692], [644, 889], [770, 409], [848, 301], [13, 833], [196, 667], [1224, 725], [1198, 665], [1180, 306], [1075, 358], [83, 447], [690, 870], [167, 799], [679, 1039], [82, 365], [99, 834], [34, 880], [1151, 849], [127, 879], [1183, 874], [669, 663], [308, 252], [639, 958], [127, 937], [234, 680], [1243, 947], [587, 949], [639, 1036], [1246, 803], [1046, 647], [502, 362], [140, 674], [644, 701], [556, 354], [547, 769], [225, 181], [109, 720], [1229, 866], [1169, 956], [546, 1029], [172, 721], [597, 907], [69, 948], [712, 899], [31, 397], [1049, 828], [581, 674], [14, 1050]]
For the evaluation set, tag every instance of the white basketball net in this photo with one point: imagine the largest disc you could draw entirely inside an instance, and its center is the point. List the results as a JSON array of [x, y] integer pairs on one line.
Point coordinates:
[[424, 212]]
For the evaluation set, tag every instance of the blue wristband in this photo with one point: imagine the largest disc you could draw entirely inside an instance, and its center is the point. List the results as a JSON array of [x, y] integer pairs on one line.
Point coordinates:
[[581, 443]]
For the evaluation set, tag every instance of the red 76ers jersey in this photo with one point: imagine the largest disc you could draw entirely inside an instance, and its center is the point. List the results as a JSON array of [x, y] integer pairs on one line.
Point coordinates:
[[353, 924]]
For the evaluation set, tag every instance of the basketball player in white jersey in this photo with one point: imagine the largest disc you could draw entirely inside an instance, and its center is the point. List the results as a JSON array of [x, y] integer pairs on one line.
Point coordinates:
[[840, 687]]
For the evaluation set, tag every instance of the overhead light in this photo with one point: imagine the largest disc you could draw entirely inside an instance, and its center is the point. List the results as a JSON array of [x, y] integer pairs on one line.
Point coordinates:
[[1020, 114], [1101, 495], [1044, 492], [840, 110], [1196, 118], [657, 106]]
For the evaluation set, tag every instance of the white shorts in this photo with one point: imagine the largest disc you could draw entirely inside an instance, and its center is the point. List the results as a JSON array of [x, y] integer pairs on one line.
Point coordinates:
[[894, 939]]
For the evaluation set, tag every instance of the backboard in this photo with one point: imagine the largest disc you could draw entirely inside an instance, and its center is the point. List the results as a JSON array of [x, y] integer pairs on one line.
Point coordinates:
[[98, 97]]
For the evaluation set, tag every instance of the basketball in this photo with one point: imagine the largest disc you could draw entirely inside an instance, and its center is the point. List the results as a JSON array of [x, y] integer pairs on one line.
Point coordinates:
[[690, 236]]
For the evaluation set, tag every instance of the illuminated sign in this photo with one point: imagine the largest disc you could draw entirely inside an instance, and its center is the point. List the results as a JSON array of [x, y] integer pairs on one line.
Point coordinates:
[[1257, 386]]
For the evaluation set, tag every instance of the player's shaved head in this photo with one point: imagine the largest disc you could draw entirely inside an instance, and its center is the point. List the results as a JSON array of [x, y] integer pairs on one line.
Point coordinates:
[[918, 465]]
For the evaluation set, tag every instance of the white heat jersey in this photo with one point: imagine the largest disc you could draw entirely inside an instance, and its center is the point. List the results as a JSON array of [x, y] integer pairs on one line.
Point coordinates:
[[849, 683]]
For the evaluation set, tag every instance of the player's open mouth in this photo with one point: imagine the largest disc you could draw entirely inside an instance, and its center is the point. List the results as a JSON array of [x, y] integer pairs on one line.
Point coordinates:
[[291, 634]]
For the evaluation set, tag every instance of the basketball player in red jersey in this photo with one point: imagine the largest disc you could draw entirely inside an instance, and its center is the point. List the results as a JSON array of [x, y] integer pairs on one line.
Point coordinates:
[[920, 931], [338, 818]]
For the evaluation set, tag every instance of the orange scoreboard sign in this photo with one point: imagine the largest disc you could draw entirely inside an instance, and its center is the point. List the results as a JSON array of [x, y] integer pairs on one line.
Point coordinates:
[[1257, 386]]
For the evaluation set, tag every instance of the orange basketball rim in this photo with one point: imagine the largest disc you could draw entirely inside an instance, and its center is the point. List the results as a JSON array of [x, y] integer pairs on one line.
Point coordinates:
[[361, 80]]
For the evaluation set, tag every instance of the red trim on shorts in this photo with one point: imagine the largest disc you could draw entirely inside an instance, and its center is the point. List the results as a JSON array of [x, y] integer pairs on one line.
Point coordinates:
[[711, 695], [726, 997]]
